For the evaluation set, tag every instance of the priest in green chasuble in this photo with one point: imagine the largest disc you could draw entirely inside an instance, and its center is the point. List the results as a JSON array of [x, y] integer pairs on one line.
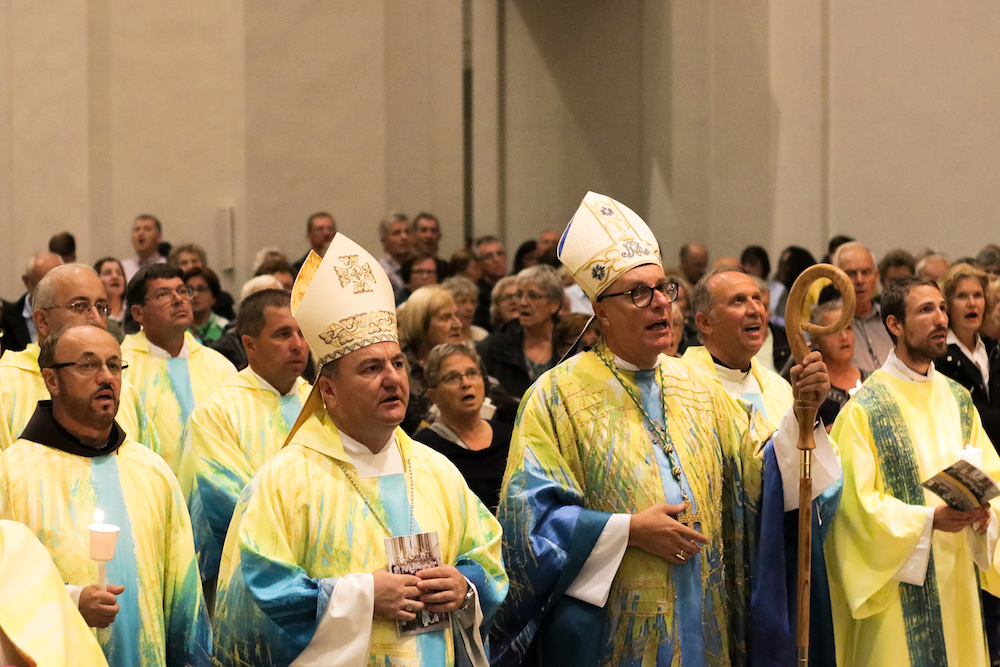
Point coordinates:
[[631, 499], [306, 577], [905, 569]]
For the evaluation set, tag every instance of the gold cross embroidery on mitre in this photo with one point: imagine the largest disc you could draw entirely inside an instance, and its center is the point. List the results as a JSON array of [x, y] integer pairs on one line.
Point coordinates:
[[358, 275]]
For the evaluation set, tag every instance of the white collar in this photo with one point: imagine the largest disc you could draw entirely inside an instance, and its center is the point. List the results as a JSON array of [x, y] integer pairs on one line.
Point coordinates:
[[628, 365], [264, 384], [897, 369], [980, 345], [388, 460], [158, 351]]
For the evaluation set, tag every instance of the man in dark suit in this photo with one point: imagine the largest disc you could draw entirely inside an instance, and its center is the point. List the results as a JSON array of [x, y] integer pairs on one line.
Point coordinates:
[[15, 316]]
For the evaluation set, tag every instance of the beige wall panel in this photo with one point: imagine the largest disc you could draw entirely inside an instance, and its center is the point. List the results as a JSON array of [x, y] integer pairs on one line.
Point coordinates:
[[797, 69], [176, 109], [47, 116], [316, 116], [485, 117], [574, 110], [914, 138], [423, 79]]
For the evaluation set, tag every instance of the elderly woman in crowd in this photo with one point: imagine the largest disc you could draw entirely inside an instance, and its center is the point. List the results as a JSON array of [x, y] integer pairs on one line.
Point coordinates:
[[205, 289], [972, 359], [477, 446], [521, 350], [503, 304], [427, 319], [837, 350], [466, 296]]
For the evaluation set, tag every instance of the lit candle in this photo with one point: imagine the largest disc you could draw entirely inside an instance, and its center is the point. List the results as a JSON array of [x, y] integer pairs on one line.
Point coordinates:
[[851, 392], [103, 537], [972, 454]]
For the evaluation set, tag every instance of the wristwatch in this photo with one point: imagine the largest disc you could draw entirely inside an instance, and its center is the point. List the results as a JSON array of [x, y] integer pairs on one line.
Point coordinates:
[[469, 595]]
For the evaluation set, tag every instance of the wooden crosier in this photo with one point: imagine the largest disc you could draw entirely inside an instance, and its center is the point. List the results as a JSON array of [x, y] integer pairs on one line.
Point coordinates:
[[805, 410]]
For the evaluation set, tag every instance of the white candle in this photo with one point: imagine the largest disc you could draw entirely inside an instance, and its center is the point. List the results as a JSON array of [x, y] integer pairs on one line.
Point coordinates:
[[103, 537], [972, 455]]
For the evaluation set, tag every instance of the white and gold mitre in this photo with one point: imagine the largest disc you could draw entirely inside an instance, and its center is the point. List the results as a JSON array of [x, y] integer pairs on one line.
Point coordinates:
[[605, 239], [343, 302]]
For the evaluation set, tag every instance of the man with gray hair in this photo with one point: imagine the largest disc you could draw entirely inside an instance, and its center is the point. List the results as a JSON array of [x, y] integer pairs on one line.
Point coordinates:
[[15, 316], [397, 241], [68, 295], [871, 340]]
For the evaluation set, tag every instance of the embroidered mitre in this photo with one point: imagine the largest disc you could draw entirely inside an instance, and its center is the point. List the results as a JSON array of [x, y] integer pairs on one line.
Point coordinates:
[[343, 302], [604, 240]]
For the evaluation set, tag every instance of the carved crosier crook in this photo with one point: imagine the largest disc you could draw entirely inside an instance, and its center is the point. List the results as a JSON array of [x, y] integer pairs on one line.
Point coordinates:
[[805, 411]]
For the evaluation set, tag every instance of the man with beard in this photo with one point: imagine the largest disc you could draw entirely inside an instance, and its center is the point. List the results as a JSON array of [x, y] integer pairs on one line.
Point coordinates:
[[68, 295], [72, 461], [304, 577], [905, 569], [243, 424], [172, 371]]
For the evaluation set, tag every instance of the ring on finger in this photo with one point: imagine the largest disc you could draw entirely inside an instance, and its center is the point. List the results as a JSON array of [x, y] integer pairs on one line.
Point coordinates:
[[409, 606], [680, 555]]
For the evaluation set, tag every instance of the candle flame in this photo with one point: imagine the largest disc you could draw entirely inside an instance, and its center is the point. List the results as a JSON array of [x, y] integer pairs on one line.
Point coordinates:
[[851, 392], [98, 516]]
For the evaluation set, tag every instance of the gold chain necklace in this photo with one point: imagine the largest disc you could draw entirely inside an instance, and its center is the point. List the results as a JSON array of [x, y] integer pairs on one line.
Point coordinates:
[[659, 432], [371, 509]]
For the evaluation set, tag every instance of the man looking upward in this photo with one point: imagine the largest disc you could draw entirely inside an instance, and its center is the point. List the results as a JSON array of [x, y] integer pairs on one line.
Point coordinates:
[[172, 371]]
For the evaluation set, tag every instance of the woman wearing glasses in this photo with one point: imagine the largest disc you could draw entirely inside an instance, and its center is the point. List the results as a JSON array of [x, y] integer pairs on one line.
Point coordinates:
[[477, 446], [521, 350]]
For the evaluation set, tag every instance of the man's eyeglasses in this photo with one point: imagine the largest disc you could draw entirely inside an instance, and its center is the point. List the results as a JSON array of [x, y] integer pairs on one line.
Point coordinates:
[[642, 295], [182, 292], [83, 306], [94, 366], [455, 378]]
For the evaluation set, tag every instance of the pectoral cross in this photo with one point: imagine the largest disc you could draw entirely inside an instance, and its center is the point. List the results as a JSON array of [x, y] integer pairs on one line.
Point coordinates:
[[687, 518]]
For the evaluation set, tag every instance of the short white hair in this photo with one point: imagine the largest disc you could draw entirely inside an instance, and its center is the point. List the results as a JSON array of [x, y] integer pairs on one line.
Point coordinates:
[[258, 283]]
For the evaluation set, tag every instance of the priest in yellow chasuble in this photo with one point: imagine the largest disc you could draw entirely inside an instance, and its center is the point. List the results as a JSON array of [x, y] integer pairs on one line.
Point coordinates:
[[305, 576], [235, 430], [630, 504], [39, 623], [68, 295], [906, 569], [171, 369]]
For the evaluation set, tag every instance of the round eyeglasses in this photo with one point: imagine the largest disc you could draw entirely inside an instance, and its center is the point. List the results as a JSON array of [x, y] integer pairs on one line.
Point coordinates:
[[642, 295]]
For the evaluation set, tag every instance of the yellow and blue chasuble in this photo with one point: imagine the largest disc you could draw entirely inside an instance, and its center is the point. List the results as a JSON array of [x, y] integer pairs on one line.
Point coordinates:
[[170, 388], [774, 600], [52, 484], [301, 525], [583, 450], [775, 395], [22, 386], [894, 434], [229, 437], [37, 615]]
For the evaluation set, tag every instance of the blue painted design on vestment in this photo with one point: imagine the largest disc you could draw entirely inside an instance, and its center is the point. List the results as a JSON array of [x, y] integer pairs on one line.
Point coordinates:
[[687, 577], [122, 646], [291, 406], [180, 382], [756, 399]]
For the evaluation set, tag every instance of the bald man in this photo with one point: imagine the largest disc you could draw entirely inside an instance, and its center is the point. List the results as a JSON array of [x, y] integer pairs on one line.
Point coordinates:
[[871, 339], [15, 316]]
